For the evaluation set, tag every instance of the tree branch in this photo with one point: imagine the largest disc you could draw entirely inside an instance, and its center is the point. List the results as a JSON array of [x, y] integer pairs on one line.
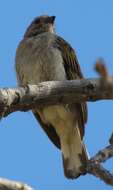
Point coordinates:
[[6, 184], [54, 92], [93, 166], [61, 92]]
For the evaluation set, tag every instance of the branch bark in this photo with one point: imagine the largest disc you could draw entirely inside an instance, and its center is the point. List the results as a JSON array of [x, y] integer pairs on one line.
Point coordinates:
[[6, 184], [95, 168], [29, 97], [54, 92]]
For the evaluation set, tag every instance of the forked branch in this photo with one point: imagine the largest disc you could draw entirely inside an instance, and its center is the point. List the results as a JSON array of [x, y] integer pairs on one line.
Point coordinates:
[[29, 97]]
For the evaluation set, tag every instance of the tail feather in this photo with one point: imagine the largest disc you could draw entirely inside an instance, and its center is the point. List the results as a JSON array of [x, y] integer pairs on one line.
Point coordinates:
[[74, 155]]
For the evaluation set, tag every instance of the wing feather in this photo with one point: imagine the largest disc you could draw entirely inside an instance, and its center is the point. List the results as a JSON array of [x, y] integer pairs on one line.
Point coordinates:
[[73, 71], [49, 130]]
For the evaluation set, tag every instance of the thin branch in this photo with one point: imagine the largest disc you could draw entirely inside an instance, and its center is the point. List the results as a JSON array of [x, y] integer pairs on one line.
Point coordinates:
[[6, 184], [54, 92], [101, 69], [103, 155], [99, 171], [94, 167]]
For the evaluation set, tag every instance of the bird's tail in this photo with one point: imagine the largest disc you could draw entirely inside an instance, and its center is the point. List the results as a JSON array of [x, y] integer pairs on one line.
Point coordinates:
[[74, 155]]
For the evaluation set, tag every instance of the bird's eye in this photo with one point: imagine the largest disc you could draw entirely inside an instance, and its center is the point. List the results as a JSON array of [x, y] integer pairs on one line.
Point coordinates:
[[37, 21]]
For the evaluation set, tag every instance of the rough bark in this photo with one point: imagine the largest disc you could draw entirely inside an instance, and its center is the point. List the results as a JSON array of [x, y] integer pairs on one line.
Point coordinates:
[[6, 184], [54, 92], [95, 168], [57, 92]]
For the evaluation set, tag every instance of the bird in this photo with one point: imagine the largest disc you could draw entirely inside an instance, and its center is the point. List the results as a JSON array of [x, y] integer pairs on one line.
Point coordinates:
[[41, 56]]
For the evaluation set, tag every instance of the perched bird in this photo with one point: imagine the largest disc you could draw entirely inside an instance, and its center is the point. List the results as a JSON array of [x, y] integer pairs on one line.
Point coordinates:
[[44, 56]]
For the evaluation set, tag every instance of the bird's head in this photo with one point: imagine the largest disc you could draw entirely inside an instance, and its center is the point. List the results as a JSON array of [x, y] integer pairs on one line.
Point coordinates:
[[40, 25]]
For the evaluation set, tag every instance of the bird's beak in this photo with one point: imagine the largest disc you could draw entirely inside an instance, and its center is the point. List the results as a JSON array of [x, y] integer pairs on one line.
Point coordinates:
[[52, 19]]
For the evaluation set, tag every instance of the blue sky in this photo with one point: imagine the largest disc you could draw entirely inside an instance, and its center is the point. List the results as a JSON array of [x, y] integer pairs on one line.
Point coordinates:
[[26, 153]]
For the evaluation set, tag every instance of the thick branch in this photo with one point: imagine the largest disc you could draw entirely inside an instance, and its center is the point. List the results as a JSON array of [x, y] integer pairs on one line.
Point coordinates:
[[54, 92], [49, 93]]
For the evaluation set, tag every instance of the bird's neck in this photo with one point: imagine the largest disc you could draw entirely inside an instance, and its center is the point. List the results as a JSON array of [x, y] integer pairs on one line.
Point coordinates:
[[33, 31]]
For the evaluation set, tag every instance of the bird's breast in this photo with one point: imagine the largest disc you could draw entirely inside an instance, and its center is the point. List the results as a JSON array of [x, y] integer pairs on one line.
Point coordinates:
[[36, 63]]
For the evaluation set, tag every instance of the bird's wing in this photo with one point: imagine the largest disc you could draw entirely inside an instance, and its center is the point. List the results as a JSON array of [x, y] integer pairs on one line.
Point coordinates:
[[73, 71], [49, 130]]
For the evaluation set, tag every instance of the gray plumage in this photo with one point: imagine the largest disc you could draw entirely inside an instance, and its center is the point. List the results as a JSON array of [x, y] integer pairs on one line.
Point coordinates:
[[44, 56]]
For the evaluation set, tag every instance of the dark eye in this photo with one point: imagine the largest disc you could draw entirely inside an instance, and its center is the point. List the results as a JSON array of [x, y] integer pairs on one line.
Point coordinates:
[[37, 21]]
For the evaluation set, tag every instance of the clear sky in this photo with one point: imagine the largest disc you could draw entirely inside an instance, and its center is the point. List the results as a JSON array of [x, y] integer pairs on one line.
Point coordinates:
[[26, 153]]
